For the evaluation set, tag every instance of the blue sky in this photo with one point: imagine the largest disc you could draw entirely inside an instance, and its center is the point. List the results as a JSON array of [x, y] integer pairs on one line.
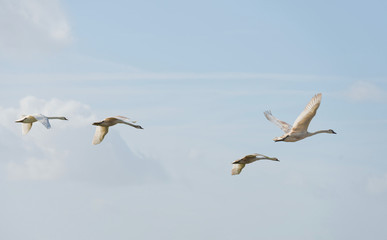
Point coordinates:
[[198, 77]]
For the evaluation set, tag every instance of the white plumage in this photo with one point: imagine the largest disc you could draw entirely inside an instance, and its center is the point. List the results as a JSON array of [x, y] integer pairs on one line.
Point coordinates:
[[299, 130], [103, 127], [239, 164], [28, 120]]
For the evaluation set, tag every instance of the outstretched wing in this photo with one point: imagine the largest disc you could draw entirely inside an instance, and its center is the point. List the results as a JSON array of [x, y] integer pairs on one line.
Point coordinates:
[[247, 159], [43, 120], [303, 120], [22, 117], [283, 125], [100, 133], [125, 119], [237, 168], [254, 155], [26, 128]]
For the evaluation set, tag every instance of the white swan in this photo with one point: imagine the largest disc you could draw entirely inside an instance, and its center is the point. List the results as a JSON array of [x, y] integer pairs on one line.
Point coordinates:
[[27, 121], [103, 127], [299, 130], [239, 164]]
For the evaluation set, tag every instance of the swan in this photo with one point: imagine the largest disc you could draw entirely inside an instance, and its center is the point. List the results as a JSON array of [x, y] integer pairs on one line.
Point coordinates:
[[27, 121], [239, 164], [299, 130], [103, 127]]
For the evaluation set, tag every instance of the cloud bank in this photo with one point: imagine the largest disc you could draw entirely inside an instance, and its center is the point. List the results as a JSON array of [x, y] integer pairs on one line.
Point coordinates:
[[65, 151]]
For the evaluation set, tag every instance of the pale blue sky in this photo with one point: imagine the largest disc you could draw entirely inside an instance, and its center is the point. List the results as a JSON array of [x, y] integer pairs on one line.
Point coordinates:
[[198, 77]]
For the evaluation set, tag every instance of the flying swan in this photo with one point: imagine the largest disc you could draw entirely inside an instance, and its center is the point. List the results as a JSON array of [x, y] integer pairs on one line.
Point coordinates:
[[239, 164], [27, 121], [103, 127], [299, 130]]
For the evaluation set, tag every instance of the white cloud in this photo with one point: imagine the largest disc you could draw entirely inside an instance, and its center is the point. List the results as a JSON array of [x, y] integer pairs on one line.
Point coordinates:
[[65, 151], [377, 185], [32, 26], [365, 91], [80, 114]]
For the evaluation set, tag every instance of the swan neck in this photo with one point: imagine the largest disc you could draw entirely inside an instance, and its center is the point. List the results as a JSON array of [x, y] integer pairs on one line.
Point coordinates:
[[317, 132], [62, 118]]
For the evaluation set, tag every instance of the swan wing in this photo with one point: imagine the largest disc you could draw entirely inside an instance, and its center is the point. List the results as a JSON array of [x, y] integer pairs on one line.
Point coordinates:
[[237, 168], [124, 119], [43, 120], [22, 117], [100, 133], [281, 124], [254, 155], [247, 159], [26, 128], [303, 120]]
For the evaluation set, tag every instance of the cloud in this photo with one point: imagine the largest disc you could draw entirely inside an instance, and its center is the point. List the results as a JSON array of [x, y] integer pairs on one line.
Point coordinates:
[[365, 91], [32, 26], [65, 151], [125, 73], [377, 185], [36, 169]]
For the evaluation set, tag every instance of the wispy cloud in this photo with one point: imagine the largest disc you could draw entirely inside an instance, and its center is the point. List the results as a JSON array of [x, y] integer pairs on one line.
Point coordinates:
[[365, 91], [32, 26], [99, 76], [36, 169], [377, 185]]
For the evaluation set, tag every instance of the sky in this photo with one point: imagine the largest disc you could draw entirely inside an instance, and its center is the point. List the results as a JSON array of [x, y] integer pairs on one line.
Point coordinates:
[[197, 76]]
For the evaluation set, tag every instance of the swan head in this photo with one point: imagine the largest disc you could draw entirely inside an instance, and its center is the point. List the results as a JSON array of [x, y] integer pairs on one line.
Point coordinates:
[[331, 131], [138, 126]]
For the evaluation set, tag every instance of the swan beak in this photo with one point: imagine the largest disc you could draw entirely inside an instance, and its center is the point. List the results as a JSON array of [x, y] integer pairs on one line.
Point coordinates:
[[334, 132], [276, 159]]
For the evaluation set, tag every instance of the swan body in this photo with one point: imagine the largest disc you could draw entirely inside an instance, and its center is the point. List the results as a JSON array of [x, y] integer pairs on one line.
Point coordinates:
[[299, 130], [103, 127], [28, 120], [239, 164]]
